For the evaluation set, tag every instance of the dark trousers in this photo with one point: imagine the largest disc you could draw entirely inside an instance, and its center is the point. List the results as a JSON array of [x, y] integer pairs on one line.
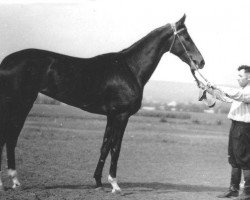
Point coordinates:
[[239, 145]]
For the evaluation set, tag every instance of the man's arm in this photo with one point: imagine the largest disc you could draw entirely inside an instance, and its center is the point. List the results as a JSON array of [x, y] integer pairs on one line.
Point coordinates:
[[235, 94]]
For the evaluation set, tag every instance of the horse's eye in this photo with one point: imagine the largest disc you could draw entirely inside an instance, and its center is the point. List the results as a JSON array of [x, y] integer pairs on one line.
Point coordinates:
[[188, 39]]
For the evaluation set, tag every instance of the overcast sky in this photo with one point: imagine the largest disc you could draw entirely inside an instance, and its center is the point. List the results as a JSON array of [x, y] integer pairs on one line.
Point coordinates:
[[220, 30]]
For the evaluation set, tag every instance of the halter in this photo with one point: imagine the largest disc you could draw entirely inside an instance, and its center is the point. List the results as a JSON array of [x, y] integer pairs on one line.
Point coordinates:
[[176, 34]]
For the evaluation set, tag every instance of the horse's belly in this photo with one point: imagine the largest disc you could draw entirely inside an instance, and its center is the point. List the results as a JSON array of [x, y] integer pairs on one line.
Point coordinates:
[[89, 103]]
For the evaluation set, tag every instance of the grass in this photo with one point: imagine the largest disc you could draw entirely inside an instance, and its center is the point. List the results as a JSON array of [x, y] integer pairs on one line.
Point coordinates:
[[59, 147], [59, 111]]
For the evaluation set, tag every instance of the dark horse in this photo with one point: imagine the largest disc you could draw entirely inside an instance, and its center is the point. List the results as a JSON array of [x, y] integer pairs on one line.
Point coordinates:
[[109, 84]]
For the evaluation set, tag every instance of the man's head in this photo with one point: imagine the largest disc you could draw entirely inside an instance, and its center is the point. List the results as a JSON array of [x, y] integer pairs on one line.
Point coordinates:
[[243, 75]]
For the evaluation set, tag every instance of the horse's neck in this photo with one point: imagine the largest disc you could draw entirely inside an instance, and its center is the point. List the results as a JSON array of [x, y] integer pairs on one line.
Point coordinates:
[[144, 56]]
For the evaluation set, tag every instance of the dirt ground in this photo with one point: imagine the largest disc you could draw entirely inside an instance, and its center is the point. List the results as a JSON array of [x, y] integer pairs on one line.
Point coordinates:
[[59, 148]]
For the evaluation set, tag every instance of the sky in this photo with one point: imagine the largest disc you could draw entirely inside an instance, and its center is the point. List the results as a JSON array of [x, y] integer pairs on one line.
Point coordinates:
[[86, 28]]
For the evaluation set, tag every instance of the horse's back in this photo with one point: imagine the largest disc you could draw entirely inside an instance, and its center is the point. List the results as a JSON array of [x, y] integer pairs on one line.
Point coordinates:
[[80, 82]]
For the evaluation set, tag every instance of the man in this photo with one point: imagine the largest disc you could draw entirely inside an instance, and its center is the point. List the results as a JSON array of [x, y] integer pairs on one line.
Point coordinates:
[[239, 135]]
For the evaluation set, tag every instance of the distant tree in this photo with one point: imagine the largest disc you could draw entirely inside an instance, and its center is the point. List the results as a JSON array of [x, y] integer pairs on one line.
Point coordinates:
[[42, 99]]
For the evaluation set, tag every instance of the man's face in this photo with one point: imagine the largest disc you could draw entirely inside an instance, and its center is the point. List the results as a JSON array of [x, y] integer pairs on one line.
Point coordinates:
[[243, 78]]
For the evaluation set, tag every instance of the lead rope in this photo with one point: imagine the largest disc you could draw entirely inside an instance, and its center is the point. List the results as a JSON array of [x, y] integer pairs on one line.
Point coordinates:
[[206, 87], [189, 57]]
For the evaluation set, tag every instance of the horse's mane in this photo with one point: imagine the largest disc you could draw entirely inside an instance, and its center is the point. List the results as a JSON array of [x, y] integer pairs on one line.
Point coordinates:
[[145, 38]]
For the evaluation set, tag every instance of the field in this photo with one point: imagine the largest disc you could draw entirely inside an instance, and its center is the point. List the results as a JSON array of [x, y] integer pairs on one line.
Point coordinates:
[[174, 158]]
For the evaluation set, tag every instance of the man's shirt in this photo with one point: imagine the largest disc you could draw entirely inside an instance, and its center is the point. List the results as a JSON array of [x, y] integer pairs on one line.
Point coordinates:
[[240, 108]]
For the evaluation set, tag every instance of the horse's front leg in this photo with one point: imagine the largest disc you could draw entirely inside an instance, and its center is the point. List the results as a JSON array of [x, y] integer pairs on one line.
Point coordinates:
[[12, 166], [119, 128]]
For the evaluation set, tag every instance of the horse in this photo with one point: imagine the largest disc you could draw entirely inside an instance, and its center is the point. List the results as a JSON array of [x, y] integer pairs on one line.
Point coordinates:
[[110, 84]]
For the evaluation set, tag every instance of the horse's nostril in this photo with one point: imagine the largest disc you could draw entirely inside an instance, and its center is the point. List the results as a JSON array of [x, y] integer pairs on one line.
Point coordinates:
[[202, 63]]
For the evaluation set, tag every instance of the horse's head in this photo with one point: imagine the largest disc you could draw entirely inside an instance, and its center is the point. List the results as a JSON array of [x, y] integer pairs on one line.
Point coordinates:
[[183, 46]]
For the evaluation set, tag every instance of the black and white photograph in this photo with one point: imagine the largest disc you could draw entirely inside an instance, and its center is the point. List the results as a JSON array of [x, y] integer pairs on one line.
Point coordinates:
[[124, 99]]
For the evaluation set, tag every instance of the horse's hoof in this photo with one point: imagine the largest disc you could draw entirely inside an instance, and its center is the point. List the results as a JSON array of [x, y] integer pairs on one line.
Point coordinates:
[[99, 189], [16, 186], [116, 191]]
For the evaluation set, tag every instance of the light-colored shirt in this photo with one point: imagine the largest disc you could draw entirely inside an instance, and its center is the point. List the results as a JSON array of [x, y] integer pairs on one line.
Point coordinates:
[[240, 108]]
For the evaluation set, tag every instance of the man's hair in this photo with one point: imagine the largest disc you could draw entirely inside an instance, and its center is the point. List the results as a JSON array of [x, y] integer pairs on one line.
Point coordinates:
[[245, 67]]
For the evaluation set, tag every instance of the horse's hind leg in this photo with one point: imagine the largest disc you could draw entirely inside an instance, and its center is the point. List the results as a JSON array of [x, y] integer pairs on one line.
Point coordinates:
[[3, 122], [18, 114], [2, 142], [106, 144]]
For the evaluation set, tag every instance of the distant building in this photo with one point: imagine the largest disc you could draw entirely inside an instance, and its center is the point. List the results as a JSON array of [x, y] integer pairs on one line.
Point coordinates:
[[172, 104], [149, 108], [209, 111]]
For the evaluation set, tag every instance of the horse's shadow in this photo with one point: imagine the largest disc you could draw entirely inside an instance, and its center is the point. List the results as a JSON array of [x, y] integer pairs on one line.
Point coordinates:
[[147, 187]]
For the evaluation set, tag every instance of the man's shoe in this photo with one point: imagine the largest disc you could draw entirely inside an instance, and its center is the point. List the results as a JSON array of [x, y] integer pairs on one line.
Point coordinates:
[[245, 195], [231, 192]]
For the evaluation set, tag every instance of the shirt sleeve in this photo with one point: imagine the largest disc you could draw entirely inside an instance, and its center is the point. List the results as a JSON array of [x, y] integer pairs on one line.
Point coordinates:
[[237, 94]]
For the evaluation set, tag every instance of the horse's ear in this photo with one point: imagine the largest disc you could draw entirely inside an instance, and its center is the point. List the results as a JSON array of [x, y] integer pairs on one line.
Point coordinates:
[[181, 21]]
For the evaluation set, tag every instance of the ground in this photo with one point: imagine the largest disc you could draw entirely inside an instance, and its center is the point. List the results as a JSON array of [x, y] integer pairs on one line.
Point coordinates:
[[59, 147]]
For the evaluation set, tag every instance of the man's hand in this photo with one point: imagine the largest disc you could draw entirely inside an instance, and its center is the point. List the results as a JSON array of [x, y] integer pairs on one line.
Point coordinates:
[[212, 86]]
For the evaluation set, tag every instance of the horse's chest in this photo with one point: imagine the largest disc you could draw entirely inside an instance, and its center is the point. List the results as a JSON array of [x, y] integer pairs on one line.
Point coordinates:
[[124, 99]]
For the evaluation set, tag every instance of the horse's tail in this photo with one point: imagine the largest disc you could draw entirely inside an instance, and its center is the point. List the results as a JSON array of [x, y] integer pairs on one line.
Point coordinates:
[[3, 80], [6, 74]]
